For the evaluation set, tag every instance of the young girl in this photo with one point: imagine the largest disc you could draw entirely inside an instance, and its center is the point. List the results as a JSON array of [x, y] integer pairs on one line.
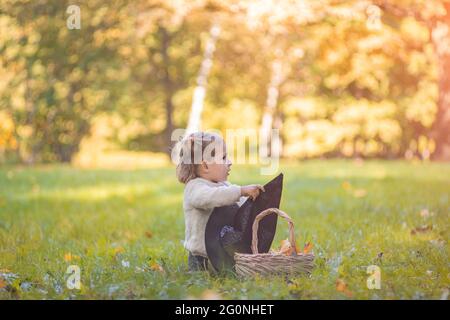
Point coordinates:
[[204, 168]]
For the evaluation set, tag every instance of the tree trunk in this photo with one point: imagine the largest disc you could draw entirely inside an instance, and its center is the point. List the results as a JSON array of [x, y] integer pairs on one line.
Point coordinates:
[[168, 87], [440, 34], [35, 146], [273, 91], [195, 116]]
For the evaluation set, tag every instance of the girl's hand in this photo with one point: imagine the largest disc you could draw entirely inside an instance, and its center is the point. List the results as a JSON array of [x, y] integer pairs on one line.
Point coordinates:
[[252, 191]]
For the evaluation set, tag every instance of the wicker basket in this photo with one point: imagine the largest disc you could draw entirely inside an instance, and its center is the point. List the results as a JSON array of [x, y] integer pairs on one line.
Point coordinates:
[[247, 265]]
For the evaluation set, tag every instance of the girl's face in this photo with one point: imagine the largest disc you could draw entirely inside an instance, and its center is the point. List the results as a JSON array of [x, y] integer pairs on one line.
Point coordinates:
[[218, 168]]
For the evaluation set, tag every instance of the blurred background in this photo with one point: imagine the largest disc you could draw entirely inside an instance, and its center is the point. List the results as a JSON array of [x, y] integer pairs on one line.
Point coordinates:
[[99, 84]]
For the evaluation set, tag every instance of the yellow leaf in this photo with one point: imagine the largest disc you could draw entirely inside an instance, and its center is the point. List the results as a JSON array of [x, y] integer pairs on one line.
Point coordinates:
[[156, 267], [308, 247], [286, 247], [68, 257]]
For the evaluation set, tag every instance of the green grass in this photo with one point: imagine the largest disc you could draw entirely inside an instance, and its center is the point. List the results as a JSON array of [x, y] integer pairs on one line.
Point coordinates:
[[101, 217]]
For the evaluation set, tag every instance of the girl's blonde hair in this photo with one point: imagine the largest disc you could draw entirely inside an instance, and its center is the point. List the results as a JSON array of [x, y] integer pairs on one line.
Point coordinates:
[[194, 143]]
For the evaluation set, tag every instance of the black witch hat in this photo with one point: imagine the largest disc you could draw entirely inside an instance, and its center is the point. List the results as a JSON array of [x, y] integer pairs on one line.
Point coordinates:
[[229, 228]]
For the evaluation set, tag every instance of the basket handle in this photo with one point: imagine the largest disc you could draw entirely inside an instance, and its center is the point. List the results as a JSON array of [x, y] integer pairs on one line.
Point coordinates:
[[264, 213]]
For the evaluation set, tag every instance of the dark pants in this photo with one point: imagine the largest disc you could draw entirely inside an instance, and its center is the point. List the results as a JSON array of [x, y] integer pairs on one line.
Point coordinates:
[[197, 263]]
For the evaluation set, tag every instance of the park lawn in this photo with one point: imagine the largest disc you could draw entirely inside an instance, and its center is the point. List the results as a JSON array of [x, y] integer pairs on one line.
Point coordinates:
[[124, 229]]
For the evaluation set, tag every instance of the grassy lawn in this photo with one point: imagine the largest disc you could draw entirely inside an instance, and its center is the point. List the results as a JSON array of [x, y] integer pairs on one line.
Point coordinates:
[[124, 229]]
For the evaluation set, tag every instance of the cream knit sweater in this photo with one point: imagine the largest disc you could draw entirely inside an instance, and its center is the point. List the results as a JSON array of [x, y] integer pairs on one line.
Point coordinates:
[[201, 196]]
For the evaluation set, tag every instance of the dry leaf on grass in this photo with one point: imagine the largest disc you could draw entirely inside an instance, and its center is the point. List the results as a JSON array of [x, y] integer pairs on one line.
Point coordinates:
[[148, 234], [68, 257], [308, 247], [421, 229], [287, 249], [341, 286], [156, 267]]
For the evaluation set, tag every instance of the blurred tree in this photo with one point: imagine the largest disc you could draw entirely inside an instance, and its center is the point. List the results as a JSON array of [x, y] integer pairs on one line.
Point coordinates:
[[435, 15], [369, 65], [60, 77], [339, 78], [171, 32]]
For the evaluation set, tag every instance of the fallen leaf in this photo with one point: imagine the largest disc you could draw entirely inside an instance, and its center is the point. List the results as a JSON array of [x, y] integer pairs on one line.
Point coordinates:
[[148, 234], [421, 229], [69, 257], [341, 286], [307, 248], [286, 248], [156, 267]]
